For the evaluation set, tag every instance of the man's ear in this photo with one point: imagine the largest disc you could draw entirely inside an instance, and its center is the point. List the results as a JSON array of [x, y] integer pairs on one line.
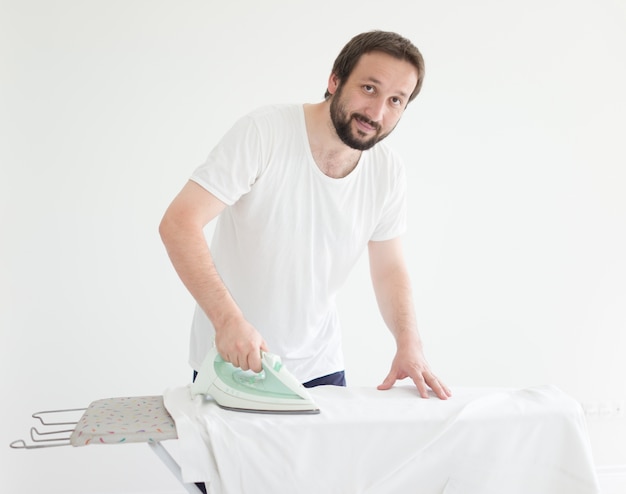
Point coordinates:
[[333, 83]]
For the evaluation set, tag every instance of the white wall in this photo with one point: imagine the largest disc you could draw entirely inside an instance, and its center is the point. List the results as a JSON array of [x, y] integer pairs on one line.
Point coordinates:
[[516, 165]]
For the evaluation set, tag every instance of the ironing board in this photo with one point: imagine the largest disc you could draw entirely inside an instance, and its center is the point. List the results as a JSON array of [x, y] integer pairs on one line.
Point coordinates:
[[482, 441], [119, 420], [140, 419], [365, 441]]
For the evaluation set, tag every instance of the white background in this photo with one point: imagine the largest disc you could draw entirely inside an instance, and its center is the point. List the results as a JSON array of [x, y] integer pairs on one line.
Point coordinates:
[[515, 155]]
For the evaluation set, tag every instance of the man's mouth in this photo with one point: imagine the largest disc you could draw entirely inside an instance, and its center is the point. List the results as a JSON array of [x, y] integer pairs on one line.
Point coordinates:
[[365, 124]]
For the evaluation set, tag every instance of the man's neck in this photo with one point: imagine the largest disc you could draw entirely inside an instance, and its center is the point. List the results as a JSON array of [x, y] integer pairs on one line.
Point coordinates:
[[331, 155]]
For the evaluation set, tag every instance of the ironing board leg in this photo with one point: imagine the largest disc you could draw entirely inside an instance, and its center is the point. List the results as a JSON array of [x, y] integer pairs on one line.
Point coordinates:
[[166, 458]]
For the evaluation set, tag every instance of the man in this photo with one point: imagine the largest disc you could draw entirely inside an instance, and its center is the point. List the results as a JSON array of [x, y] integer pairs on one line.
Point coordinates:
[[300, 192]]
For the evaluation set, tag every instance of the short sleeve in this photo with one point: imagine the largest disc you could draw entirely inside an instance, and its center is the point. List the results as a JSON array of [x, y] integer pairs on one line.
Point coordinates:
[[393, 218], [235, 163]]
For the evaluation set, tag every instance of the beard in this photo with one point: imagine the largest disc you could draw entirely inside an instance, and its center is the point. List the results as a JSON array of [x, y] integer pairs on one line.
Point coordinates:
[[342, 121]]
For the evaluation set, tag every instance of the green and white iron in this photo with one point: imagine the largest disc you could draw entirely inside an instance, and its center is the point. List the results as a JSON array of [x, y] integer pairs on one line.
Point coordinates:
[[273, 390]]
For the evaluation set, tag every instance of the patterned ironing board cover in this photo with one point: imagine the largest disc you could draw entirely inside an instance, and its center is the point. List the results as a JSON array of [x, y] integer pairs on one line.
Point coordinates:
[[119, 420]]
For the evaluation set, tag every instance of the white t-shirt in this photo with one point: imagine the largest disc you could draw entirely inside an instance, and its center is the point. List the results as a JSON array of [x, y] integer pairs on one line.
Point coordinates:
[[291, 234]]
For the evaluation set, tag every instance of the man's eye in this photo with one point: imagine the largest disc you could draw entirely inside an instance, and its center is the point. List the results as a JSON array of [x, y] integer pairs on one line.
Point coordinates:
[[368, 88], [396, 101]]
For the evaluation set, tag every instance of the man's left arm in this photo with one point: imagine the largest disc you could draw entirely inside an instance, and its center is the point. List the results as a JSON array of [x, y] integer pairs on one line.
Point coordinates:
[[392, 287]]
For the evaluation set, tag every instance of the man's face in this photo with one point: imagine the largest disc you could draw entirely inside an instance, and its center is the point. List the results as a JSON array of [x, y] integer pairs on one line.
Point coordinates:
[[367, 106]]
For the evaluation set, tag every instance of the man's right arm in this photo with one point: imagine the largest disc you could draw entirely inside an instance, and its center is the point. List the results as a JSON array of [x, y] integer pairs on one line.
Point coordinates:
[[181, 230]]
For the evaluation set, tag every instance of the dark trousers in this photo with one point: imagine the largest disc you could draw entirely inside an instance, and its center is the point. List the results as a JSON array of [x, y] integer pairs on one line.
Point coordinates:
[[334, 379]]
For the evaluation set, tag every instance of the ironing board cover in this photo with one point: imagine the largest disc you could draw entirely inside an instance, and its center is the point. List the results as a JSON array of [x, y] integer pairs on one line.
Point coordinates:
[[119, 420]]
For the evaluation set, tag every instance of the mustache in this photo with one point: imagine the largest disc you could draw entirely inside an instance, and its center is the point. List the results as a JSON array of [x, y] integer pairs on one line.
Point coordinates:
[[366, 120]]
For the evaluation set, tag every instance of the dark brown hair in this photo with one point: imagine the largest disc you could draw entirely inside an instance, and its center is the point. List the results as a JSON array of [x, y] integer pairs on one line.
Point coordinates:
[[387, 42]]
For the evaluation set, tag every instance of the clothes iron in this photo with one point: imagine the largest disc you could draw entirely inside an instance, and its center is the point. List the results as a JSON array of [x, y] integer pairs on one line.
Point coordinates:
[[273, 390]]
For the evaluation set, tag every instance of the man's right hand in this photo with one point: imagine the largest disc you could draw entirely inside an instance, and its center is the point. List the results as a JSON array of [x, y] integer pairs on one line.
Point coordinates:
[[239, 343]]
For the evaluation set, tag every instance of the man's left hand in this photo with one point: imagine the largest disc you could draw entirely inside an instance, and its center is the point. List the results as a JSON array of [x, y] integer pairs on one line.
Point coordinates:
[[410, 362]]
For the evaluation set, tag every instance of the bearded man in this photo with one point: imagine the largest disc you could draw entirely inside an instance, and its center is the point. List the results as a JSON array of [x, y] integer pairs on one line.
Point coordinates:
[[299, 192]]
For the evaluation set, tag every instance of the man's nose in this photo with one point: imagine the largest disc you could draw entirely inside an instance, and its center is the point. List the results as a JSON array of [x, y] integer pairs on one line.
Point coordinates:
[[375, 110]]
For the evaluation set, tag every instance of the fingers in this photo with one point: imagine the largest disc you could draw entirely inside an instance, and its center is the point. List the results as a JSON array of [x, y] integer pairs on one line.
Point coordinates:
[[241, 345], [253, 361], [389, 381], [439, 388], [446, 391], [246, 360], [245, 356], [422, 380], [420, 384]]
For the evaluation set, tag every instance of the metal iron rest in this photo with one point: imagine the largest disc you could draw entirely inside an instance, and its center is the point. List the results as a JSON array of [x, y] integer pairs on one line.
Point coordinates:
[[39, 438]]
